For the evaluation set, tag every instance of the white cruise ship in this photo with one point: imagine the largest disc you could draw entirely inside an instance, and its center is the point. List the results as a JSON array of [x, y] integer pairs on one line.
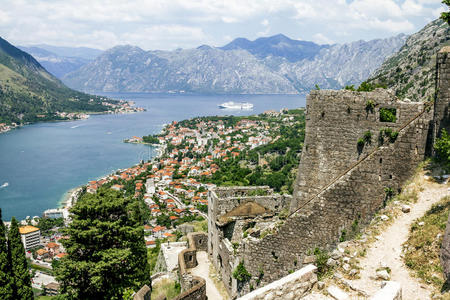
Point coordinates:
[[236, 105]]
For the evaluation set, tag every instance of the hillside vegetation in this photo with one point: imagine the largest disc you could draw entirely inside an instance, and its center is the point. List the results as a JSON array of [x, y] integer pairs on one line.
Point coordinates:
[[411, 71], [28, 93]]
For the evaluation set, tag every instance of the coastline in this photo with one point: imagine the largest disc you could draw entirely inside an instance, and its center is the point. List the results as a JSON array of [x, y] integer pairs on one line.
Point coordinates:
[[72, 195]]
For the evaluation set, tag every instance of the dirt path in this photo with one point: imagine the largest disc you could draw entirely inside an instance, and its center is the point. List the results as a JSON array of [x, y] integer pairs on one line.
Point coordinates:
[[202, 270], [387, 249]]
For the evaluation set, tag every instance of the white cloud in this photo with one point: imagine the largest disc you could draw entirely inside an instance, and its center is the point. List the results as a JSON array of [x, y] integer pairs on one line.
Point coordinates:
[[167, 24], [322, 39]]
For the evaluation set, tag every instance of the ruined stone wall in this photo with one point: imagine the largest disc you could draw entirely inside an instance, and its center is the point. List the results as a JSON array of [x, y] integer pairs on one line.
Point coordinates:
[[193, 287], [231, 197], [335, 120], [293, 286], [350, 197], [442, 101], [223, 200]]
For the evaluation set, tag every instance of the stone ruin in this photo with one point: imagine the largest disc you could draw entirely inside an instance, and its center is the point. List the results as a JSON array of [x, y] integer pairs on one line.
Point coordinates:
[[353, 158]]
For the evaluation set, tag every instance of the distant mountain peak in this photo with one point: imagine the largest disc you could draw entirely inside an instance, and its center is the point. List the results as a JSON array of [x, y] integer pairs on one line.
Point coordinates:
[[204, 47], [277, 45]]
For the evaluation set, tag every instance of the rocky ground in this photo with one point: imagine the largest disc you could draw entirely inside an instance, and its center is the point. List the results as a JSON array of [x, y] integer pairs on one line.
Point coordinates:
[[363, 264]]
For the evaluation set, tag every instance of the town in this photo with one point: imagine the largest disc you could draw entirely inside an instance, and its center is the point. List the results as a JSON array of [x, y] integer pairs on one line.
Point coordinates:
[[194, 156]]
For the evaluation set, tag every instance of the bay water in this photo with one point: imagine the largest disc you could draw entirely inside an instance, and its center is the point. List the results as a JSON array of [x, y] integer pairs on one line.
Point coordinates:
[[39, 163]]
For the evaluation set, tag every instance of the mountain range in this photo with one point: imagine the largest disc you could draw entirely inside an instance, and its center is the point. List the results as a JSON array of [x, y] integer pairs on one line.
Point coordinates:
[[28, 93], [273, 65]]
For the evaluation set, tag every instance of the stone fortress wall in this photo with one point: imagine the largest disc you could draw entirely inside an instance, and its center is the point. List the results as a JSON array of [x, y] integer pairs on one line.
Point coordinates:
[[442, 105], [339, 184]]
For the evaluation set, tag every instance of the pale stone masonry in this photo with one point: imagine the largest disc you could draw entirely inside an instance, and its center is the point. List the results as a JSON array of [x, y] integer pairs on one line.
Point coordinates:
[[293, 286], [339, 187]]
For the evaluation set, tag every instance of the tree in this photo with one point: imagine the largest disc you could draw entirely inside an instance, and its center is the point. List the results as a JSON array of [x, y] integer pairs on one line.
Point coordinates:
[[106, 248], [446, 15], [6, 288], [442, 148], [19, 268]]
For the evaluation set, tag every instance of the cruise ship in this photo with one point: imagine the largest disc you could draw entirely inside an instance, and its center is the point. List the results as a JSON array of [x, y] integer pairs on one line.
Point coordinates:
[[236, 105]]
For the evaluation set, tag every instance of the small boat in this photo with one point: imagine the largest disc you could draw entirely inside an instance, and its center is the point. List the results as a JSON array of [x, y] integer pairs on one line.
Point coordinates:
[[4, 185], [236, 105]]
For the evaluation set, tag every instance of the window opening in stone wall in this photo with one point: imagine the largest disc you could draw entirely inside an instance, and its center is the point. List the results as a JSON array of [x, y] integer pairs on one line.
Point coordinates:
[[388, 115], [323, 114], [381, 160], [274, 256], [390, 176], [416, 150], [379, 177]]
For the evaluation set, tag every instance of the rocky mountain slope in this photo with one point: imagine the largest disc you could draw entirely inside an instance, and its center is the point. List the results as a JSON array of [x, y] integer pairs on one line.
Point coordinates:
[[54, 63], [29, 93], [411, 71], [276, 65]]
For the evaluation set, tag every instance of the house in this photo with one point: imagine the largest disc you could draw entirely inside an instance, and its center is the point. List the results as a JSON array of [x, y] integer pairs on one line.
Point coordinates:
[[117, 187], [159, 231], [60, 255], [42, 253], [53, 248], [150, 244]]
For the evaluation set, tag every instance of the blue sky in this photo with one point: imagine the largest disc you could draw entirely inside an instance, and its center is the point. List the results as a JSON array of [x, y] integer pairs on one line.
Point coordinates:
[[171, 24]]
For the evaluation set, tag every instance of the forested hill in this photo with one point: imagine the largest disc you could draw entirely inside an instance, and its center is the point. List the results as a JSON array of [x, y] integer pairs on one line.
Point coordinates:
[[28, 93], [411, 71]]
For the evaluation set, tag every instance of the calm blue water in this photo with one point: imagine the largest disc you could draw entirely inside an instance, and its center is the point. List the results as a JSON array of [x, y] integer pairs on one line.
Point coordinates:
[[41, 162]]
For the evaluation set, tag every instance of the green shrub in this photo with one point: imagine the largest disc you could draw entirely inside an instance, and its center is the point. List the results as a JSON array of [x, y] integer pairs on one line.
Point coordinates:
[[241, 274], [442, 148], [367, 137], [388, 114], [365, 87], [370, 105], [361, 142], [321, 262], [393, 136], [350, 87]]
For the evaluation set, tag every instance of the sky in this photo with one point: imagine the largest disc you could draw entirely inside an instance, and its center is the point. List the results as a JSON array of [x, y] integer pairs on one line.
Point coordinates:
[[171, 24]]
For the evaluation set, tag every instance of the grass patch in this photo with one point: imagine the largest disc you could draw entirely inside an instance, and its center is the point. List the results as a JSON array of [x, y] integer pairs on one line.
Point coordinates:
[[199, 226], [166, 287], [423, 244]]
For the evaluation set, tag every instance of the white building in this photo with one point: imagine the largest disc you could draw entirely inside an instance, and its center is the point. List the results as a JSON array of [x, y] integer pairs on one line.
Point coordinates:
[[56, 213], [150, 186], [31, 236]]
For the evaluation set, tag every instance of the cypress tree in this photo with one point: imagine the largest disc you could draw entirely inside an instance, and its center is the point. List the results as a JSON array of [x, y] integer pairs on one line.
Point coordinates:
[[21, 276], [6, 289], [106, 248]]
